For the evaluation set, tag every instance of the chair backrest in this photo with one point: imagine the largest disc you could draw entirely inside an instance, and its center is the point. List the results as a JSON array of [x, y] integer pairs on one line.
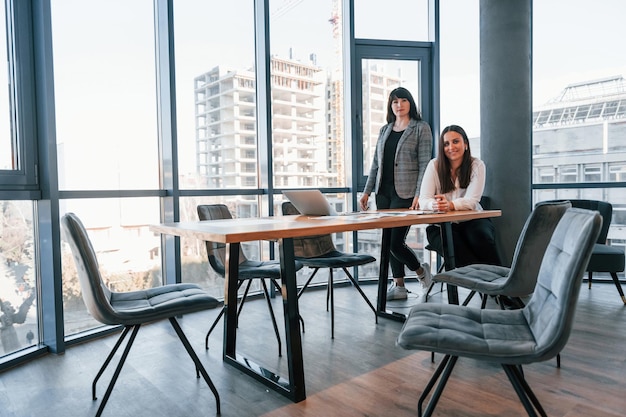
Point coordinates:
[[309, 246], [550, 311], [216, 251], [531, 247], [604, 208], [95, 293]]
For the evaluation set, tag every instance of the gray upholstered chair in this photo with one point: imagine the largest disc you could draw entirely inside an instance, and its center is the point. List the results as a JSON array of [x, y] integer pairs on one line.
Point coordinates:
[[249, 270], [511, 338], [319, 252], [134, 308], [519, 280], [604, 258]]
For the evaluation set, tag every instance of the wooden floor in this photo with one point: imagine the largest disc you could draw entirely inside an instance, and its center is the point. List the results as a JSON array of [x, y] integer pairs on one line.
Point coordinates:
[[359, 373]]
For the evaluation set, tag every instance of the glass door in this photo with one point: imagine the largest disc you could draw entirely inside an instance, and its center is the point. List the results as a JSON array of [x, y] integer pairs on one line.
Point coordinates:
[[380, 69]]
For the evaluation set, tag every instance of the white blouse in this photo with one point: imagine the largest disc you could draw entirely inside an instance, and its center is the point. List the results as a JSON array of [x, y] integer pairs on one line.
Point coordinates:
[[462, 198]]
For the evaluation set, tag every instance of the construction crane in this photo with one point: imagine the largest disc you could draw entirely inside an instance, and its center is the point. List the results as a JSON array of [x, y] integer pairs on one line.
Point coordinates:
[[285, 7]]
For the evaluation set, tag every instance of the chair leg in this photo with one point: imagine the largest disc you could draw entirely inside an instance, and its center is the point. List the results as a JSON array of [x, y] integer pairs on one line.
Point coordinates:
[[196, 361], [469, 297], [243, 298], [118, 369], [525, 394], [331, 293], [589, 279], [618, 285], [445, 367], [483, 302], [306, 285], [358, 288], [269, 306], [432, 284], [217, 320]]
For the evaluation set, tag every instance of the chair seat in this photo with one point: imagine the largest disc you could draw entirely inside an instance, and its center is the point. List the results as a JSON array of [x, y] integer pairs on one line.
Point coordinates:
[[250, 269], [158, 303], [482, 278], [501, 336], [606, 259], [337, 259]]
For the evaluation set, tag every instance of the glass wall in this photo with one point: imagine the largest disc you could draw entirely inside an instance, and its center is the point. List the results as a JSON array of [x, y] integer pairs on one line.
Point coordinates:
[[7, 145], [460, 68], [215, 95], [106, 129], [105, 94], [307, 93], [405, 20], [106, 111], [128, 253], [579, 105], [18, 284]]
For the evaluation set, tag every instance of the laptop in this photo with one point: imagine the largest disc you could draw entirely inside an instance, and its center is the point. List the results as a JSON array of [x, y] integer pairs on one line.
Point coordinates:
[[310, 202]]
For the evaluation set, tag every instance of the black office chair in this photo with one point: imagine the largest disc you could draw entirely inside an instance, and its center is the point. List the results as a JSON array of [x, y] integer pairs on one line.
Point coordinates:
[[319, 252], [511, 338], [131, 309], [604, 258], [249, 270]]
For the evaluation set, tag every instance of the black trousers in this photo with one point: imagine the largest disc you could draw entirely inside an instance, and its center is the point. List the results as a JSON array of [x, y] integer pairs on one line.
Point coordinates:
[[474, 242], [401, 254]]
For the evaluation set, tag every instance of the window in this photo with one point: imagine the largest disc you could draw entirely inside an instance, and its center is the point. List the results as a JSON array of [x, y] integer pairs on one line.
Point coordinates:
[[617, 172], [307, 82], [105, 91], [568, 174], [106, 130], [18, 284], [216, 76], [8, 149], [409, 25], [593, 173], [17, 115]]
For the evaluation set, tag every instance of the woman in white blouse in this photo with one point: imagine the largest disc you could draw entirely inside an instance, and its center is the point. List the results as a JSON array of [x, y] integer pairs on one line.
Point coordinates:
[[455, 180]]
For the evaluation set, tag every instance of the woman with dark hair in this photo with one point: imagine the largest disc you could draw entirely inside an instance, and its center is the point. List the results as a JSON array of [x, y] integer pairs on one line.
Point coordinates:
[[455, 180], [403, 149]]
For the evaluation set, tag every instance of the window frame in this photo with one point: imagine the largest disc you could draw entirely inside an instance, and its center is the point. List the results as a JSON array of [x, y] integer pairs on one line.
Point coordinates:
[[22, 182]]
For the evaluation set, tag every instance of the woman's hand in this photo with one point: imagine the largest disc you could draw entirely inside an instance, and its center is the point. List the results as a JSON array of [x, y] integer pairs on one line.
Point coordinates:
[[441, 204], [363, 201], [416, 203]]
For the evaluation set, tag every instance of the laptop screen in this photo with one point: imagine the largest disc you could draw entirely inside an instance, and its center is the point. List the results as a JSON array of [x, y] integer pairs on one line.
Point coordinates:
[[310, 202]]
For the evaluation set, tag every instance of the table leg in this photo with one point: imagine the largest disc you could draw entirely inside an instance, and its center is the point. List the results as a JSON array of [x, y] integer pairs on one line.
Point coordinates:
[[292, 320], [383, 272], [294, 387], [383, 279], [230, 299], [449, 259]]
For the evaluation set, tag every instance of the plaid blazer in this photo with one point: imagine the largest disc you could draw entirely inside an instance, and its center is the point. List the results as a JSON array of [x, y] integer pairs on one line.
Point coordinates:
[[413, 153]]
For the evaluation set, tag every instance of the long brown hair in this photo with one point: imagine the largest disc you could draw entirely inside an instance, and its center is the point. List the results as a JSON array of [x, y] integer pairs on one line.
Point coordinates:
[[443, 164]]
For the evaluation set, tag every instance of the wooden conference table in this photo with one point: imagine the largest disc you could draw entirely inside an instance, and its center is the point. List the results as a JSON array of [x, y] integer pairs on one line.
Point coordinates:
[[283, 229]]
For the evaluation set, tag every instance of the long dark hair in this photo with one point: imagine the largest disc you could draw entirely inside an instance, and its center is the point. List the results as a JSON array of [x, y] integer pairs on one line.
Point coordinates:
[[402, 92], [443, 164]]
